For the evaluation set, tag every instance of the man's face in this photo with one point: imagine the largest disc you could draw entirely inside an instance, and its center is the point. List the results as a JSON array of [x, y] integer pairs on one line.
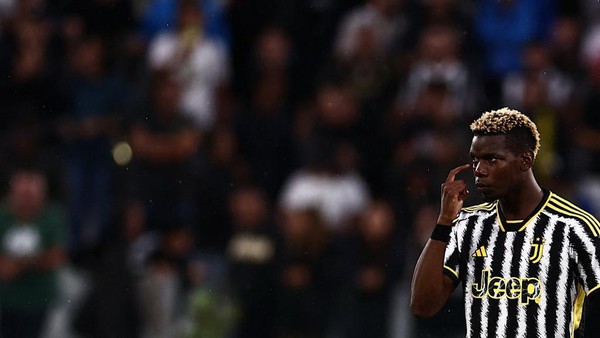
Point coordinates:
[[496, 169], [27, 194]]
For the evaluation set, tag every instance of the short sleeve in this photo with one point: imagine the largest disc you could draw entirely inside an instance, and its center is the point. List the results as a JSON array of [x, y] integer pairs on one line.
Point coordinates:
[[451, 258], [587, 251]]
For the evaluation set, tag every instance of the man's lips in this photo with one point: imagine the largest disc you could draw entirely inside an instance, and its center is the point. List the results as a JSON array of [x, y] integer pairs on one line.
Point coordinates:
[[480, 185]]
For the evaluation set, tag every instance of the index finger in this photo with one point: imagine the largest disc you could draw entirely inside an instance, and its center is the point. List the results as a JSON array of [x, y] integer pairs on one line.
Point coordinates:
[[455, 172]]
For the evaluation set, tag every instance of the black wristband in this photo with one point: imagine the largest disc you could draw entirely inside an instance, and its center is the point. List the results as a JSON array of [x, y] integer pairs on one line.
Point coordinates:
[[441, 233]]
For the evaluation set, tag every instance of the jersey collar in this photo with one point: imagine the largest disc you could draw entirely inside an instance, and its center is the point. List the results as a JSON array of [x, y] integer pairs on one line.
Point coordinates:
[[520, 225]]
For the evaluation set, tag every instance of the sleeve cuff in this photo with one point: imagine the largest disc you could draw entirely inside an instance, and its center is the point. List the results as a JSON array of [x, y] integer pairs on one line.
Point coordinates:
[[453, 275], [592, 290]]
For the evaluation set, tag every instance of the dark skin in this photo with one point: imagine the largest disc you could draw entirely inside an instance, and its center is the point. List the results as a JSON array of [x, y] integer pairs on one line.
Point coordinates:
[[500, 174]]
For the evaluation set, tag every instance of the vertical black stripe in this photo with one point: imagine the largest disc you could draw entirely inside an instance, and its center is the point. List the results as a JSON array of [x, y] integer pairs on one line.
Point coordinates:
[[551, 292], [477, 264], [585, 260], [512, 258], [532, 320], [499, 260]]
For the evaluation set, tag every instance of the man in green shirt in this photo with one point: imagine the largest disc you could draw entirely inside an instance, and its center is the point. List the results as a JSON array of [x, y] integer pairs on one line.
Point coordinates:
[[32, 237]]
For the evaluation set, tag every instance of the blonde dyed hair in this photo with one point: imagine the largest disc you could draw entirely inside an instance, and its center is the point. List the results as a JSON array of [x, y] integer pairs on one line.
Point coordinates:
[[503, 121]]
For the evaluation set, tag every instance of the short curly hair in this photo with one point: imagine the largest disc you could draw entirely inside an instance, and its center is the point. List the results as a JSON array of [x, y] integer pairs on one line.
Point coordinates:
[[522, 133]]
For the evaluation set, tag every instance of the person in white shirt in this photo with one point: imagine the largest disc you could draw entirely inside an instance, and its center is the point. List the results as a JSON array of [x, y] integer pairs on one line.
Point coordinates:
[[199, 63]]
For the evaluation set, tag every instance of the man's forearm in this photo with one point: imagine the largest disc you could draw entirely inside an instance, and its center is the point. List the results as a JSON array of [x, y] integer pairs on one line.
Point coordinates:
[[430, 288]]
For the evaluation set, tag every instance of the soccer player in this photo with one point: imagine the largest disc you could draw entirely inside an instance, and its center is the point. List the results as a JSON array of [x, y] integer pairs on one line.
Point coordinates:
[[527, 258]]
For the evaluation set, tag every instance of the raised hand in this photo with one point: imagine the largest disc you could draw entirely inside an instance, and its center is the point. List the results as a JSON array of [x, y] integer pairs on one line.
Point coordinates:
[[454, 192]]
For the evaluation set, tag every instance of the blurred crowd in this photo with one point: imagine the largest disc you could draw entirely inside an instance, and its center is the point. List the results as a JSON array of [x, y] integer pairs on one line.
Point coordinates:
[[264, 168]]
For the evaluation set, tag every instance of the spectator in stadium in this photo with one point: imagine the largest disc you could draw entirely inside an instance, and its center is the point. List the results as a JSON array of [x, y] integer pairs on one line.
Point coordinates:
[[27, 144], [306, 286], [95, 95], [502, 30], [565, 46], [313, 43], [198, 62], [329, 184], [221, 170], [110, 19], [252, 254], [375, 265], [364, 67], [162, 286], [273, 55], [32, 250], [588, 119], [547, 95], [539, 70], [263, 124], [165, 144], [158, 16], [111, 306], [383, 20], [334, 116], [30, 64], [547, 244], [584, 129], [449, 13], [368, 40], [424, 138], [439, 60], [329, 139]]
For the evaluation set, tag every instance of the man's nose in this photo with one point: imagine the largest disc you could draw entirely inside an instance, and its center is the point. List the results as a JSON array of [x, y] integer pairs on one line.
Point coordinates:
[[479, 170]]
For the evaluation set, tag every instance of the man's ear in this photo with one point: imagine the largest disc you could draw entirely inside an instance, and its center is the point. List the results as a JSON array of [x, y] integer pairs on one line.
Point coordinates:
[[526, 160]]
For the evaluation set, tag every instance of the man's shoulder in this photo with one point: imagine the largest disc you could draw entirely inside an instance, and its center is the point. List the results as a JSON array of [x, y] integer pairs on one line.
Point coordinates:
[[565, 207], [482, 207], [478, 210], [576, 214]]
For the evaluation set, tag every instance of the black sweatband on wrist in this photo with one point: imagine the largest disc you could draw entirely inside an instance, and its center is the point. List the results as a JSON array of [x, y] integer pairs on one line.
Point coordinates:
[[441, 233]]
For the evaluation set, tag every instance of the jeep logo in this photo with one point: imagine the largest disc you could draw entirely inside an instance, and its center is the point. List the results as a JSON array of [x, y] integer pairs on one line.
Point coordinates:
[[526, 289]]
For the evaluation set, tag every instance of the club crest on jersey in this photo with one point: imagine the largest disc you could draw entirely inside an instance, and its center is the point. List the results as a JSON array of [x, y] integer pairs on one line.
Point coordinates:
[[537, 249]]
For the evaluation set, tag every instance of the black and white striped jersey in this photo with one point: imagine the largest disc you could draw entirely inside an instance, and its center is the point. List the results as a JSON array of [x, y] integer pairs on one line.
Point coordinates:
[[525, 278]]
